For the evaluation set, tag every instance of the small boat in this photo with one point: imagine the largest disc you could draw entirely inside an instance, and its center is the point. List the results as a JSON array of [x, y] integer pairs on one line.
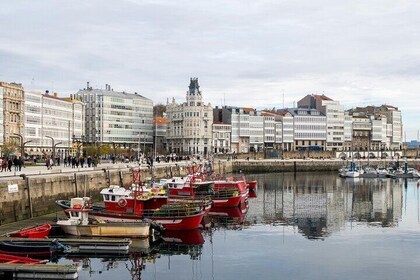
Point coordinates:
[[40, 231], [78, 224], [6, 258], [31, 249]]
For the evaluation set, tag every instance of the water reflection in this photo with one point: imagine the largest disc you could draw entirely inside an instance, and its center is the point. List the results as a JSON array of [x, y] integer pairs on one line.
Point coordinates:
[[321, 205]]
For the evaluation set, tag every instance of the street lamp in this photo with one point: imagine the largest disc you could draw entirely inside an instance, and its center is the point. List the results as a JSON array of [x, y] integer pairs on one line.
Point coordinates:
[[53, 146], [22, 144], [138, 148]]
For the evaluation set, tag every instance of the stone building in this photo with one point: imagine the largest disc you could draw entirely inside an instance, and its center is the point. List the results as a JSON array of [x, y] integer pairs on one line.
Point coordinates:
[[12, 113], [189, 125]]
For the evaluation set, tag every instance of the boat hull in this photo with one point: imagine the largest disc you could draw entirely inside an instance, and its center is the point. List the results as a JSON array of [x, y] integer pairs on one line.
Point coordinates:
[[140, 230], [168, 222]]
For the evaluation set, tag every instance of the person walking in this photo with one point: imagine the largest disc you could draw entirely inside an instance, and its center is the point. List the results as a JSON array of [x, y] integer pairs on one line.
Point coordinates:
[[16, 163], [4, 165], [9, 164], [89, 161], [47, 163]]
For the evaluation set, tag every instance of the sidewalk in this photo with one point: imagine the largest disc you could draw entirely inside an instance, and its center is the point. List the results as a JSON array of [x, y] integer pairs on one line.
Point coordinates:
[[39, 170]]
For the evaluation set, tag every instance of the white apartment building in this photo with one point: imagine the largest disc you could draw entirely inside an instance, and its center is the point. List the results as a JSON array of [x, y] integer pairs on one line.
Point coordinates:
[[270, 133], [256, 132], [121, 118], [238, 118], [348, 131], [379, 140], [309, 129], [394, 119], [334, 113], [48, 119], [221, 137], [189, 124], [288, 132]]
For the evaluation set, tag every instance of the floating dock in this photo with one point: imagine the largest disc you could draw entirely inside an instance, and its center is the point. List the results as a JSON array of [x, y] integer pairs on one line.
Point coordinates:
[[116, 246], [38, 271]]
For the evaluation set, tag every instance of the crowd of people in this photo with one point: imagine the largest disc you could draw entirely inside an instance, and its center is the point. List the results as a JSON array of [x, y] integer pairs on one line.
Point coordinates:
[[9, 163]]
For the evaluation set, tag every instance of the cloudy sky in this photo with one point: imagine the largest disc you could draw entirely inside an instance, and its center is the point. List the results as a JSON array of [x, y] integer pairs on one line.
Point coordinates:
[[247, 53]]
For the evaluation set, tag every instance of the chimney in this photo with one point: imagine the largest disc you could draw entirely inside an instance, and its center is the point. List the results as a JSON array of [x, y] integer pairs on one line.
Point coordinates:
[[87, 85], [55, 94]]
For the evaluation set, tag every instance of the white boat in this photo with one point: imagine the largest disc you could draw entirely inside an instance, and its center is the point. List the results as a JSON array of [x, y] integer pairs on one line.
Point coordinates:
[[351, 174], [79, 225]]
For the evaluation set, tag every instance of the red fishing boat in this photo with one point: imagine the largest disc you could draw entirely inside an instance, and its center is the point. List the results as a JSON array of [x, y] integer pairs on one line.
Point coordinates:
[[40, 231]]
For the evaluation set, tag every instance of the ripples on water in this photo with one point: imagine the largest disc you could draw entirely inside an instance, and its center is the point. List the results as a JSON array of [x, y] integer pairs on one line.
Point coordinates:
[[308, 226]]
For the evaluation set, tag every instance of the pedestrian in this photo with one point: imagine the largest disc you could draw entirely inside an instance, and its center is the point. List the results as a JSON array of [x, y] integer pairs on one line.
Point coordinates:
[[1, 164], [4, 165], [16, 163], [77, 163], [89, 161], [20, 163], [73, 162], [65, 161], [51, 163], [82, 162], [47, 163], [9, 164]]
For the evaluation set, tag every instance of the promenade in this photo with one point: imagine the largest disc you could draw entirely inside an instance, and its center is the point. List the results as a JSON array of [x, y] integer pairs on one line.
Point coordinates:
[[42, 169]]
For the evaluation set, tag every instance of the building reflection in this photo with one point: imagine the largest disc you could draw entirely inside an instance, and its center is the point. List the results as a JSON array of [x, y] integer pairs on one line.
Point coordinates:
[[321, 205]]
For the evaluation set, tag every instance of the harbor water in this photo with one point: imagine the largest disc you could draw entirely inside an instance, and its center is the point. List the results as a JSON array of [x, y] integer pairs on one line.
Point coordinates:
[[296, 226]]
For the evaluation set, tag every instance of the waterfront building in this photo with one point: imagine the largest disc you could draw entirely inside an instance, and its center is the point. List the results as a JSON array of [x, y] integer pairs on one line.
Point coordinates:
[[119, 118], [385, 126], [271, 137], [159, 134], [256, 131], [189, 123], [238, 118], [51, 124], [12, 113], [361, 129], [334, 113], [221, 137], [309, 127], [288, 132]]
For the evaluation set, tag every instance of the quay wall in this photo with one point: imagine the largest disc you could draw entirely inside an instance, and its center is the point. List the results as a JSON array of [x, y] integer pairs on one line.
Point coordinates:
[[311, 165], [36, 194]]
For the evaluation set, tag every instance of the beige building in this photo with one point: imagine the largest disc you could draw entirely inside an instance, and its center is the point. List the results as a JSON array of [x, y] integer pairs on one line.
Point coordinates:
[[189, 124], [12, 115]]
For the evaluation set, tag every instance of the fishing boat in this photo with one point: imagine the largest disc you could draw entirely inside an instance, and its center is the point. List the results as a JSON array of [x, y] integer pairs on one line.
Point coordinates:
[[78, 224], [169, 216], [40, 231]]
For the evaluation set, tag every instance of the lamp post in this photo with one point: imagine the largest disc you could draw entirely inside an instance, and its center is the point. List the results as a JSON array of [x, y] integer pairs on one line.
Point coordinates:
[[22, 144], [53, 146], [138, 149]]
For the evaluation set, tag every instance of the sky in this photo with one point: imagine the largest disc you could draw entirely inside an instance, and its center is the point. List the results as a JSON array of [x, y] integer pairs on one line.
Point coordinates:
[[246, 53]]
